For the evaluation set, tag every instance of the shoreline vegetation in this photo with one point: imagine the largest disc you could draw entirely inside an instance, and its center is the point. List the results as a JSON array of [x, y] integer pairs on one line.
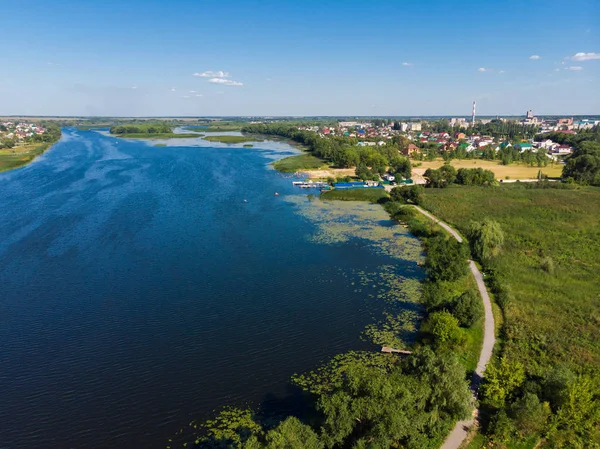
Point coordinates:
[[533, 393], [374, 399], [24, 153]]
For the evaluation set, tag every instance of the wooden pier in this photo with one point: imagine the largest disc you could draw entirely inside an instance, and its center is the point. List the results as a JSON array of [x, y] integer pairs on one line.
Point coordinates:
[[394, 351]]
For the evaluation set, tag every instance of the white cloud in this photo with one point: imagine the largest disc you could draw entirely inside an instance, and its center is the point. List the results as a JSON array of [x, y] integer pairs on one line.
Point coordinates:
[[192, 91], [574, 68], [211, 74], [134, 87], [535, 57], [268, 79], [172, 89], [557, 70], [225, 82], [407, 64], [585, 56], [199, 95], [501, 71], [483, 69], [185, 96]]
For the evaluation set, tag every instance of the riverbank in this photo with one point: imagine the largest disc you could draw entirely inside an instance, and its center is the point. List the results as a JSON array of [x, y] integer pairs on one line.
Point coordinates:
[[21, 155], [452, 334]]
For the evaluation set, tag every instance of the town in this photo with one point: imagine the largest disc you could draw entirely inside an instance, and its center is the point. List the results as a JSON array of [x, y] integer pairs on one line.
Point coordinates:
[[11, 133], [462, 134]]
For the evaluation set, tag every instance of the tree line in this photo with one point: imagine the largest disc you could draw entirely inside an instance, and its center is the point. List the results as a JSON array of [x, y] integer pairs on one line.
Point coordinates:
[[142, 128], [344, 152]]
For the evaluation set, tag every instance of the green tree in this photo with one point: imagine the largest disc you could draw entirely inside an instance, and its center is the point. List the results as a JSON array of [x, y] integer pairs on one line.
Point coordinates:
[[486, 239], [578, 416], [412, 194], [293, 434], [584, 164], [446, 259], [530, 415], [468, 308], [443, 327], [502, 379]]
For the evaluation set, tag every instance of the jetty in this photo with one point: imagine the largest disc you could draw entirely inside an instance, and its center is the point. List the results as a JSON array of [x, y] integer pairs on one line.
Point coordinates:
[[394, 351]]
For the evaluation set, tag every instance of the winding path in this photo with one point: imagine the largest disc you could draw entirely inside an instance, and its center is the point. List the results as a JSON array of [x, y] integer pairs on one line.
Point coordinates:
[[461, 429]]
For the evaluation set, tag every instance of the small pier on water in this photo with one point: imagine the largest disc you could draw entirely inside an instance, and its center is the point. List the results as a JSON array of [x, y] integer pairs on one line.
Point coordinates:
[[394, 351]]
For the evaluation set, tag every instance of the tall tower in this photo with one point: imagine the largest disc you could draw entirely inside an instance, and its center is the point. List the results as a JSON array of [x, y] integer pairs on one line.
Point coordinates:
[[473, 123]]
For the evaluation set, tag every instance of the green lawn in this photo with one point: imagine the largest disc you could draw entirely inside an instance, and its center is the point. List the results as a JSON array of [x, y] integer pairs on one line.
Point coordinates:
[[300, 162], [555, 315]]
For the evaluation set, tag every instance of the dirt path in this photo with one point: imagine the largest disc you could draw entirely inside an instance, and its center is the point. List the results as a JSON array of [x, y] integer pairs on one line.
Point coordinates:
[[461, 429]]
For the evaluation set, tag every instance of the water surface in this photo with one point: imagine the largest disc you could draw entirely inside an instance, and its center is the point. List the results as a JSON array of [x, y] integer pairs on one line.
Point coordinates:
[[140, 291]]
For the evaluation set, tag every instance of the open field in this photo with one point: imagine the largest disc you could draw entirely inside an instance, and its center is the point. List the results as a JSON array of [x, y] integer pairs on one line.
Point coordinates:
[[302, 162], [550, 263], [21, 155], [513, 171]]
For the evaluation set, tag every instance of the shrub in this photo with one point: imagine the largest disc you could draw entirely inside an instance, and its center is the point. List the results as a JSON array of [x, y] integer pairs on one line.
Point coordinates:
[[547, 265], [468, 308], [446, 259], [443, 327], [530, 414], [412, 194]]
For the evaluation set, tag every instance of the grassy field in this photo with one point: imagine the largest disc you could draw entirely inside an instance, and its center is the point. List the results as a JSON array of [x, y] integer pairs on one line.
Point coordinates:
[[229, 139], [21, 155], [300, 162], [513, 171], [554, 318], [372, 195], [158, 136]]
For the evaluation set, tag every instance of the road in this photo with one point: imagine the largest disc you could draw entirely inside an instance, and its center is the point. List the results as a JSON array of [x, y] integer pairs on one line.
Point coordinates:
[[461, 429]]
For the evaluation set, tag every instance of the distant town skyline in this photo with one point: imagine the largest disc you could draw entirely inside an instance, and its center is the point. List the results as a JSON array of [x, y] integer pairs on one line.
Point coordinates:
[[188, 58]]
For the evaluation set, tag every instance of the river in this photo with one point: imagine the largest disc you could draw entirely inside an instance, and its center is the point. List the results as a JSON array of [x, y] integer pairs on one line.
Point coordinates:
[[139, 290]]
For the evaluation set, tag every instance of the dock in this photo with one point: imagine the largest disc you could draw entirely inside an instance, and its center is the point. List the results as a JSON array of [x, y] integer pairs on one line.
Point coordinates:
[[394, 351]]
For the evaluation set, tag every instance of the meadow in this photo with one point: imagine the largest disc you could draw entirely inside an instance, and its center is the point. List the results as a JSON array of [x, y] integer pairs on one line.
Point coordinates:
[[550, 263]]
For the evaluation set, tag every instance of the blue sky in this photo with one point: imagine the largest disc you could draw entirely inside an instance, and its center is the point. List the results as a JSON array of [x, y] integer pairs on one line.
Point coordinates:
[[267, 57]]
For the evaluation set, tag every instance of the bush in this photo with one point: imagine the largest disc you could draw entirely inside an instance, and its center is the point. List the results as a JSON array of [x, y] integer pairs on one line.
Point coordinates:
[[547, 265], [468, 308], [440, 178], [530, 414], [404, 214], [412, 194], [443, 327], [446, 259]]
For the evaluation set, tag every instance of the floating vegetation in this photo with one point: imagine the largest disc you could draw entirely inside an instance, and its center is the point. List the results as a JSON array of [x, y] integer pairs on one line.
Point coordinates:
[[399, 293], [342, 221]]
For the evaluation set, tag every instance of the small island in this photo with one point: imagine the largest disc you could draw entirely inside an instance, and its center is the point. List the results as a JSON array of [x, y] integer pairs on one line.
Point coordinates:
[[150, 131], [230, 139]]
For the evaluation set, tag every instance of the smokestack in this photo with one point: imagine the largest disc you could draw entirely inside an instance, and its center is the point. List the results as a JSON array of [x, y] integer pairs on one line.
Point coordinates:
[[473, 124]]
